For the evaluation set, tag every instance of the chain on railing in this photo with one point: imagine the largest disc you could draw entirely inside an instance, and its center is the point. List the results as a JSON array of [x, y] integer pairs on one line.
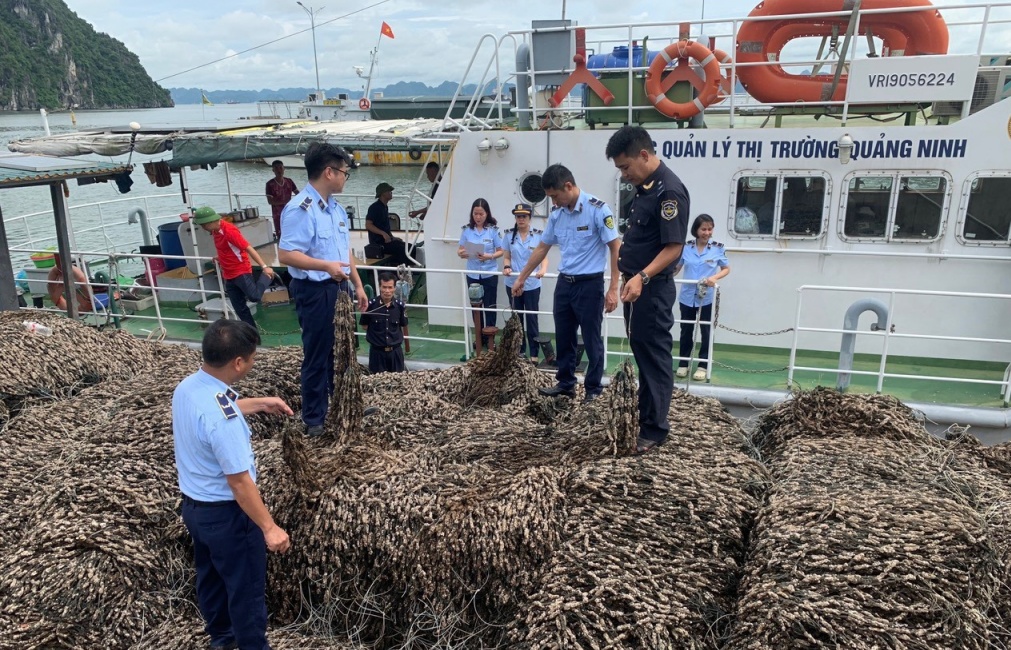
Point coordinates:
[[716, 323]]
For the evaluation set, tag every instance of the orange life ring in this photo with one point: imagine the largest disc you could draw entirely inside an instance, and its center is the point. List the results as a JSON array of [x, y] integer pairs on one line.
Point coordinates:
[[725, 59], [909, 33], [364, 103], [657, 85]]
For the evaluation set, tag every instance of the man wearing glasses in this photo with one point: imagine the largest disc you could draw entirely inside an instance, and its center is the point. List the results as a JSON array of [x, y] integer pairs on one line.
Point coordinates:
[[316, 245]]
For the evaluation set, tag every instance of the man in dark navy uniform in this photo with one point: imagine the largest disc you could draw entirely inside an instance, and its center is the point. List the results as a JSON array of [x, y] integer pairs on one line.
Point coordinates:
[[385, 323], [583, 227], [657, 228]]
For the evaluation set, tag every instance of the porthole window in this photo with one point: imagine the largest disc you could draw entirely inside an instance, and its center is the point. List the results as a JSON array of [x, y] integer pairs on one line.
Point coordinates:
[[531, 189]]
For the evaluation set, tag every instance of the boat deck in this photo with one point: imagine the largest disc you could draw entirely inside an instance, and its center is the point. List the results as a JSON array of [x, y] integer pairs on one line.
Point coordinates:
[[736, 366]]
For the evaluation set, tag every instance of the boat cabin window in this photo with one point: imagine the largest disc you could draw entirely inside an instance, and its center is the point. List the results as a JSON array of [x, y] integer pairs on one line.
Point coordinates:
[[779, 206], [987, 218], [895, 207]]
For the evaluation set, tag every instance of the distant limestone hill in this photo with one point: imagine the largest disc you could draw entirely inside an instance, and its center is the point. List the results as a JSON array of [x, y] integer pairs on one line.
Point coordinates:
[[51, 58], [399, 89]]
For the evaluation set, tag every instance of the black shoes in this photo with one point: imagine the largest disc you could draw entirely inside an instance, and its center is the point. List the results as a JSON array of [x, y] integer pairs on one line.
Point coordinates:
[[371, 410], [591, 396], [314, 430], [557, 391], [645, 445]]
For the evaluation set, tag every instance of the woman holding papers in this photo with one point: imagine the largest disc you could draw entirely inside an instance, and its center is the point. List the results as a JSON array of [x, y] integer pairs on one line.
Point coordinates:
[[481, 245]]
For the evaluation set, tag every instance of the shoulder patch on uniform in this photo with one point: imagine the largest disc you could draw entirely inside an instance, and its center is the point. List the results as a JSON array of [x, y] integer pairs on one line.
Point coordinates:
[[669, 209], [609, 222], [690, 242], [595, 202], [536, 231], [716, 243], [305, 203], [227, 409], [465, 226]]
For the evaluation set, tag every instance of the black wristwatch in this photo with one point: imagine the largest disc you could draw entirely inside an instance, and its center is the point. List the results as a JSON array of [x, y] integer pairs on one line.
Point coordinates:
[[644, 276]]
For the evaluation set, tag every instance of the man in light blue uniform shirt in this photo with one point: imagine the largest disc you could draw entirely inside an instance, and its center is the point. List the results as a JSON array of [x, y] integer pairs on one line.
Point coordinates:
[[316, 245], [583, 227], [217, 478]]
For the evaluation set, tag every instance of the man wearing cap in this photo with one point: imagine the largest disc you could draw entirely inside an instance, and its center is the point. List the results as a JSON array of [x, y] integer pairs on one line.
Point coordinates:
[[316, 246], [377, 222], [234, 253], [583, 227]]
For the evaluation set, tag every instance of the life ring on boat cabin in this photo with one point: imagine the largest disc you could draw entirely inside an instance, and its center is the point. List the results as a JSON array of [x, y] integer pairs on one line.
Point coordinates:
[[364, 103], [414, 153], [657, 84], [725, 85], [909, 33]]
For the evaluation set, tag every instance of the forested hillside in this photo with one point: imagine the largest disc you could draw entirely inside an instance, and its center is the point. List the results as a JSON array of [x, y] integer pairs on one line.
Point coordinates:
[[51, 58]]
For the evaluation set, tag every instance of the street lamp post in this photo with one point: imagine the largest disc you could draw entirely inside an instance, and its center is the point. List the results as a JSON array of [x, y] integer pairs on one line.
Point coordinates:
[[312, 21]]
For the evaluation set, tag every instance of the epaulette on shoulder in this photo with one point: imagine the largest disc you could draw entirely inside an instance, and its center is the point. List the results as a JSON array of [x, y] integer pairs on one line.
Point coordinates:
[[716, 243], [595, 202], [690, 242], [226, 407], [402, 305], [537, 231], [306, 202], [465, 226]]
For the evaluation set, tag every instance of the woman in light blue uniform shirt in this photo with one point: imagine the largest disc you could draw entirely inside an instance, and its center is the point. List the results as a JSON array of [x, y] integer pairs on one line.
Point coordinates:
[[482, 229], [520, 241], [704, 261]]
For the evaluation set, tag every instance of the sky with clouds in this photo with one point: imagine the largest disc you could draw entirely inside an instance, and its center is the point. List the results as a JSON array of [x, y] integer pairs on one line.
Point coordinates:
[[435, 39]]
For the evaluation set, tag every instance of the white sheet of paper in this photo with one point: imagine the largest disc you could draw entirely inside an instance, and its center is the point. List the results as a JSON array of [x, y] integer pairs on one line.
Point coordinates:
[[473, 249]]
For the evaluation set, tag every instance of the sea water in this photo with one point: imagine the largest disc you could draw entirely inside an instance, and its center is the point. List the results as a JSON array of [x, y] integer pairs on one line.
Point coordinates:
[[97, 229]]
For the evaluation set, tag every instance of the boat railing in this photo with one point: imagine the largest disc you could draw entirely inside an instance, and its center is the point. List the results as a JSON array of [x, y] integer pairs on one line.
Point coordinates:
[[887, 333], [110, 223], [973, 27]]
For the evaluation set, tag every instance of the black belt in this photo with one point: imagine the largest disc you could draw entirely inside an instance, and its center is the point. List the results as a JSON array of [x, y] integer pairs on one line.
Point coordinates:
[[207, 504], [580, 278], [659, 276], [389, 348]]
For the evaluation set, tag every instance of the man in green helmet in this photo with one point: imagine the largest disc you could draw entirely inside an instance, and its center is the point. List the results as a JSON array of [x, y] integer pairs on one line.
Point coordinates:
[[234, 253]]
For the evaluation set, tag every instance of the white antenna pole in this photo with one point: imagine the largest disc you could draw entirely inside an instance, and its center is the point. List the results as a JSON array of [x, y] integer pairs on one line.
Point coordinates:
[[563, 9], [372, 66]]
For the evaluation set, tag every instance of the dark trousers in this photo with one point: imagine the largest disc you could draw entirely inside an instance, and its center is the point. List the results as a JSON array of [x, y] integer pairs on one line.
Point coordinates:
[[231, 561], [398, 249], [489, 302], [688, 315], [648, 322], [579, 306], [383, 360], [529, 301], [245, 289], [314, 304]]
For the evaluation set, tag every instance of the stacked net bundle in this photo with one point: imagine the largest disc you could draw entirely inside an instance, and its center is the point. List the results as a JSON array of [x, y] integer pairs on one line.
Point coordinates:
[[874, 534], [74, 356], [652, 547]]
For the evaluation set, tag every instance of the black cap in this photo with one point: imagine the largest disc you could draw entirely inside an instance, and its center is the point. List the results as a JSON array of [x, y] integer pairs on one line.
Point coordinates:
[[383, 187]]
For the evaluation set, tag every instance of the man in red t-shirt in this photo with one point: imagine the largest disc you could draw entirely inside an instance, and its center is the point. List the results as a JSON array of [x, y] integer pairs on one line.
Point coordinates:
[[233, 257], [279, 192]]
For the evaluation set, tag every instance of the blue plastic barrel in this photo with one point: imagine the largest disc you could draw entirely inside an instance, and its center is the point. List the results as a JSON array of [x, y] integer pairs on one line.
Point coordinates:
[[618, 58], [168, 237]]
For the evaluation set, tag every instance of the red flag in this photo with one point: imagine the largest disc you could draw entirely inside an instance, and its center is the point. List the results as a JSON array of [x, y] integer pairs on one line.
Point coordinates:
[[386, 30]]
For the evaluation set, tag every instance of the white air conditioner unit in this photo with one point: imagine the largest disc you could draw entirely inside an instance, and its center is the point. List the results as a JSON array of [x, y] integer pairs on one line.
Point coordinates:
[[992, 85]]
